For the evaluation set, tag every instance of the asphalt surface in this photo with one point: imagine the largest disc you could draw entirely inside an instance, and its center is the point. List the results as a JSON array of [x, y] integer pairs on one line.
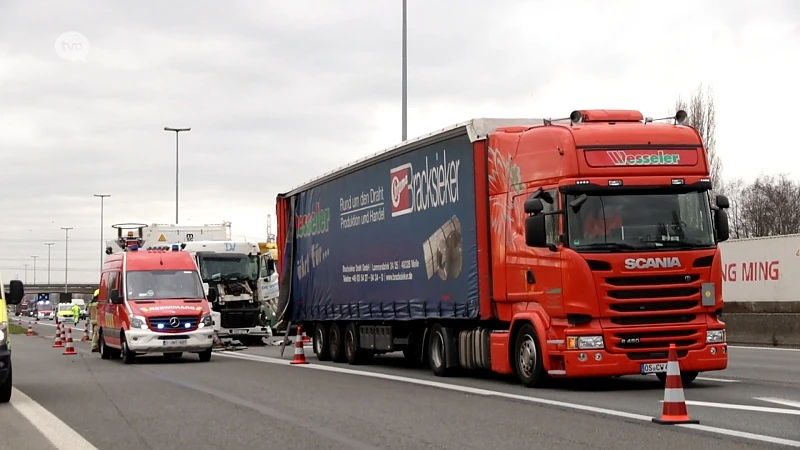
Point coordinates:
[[252, 399]]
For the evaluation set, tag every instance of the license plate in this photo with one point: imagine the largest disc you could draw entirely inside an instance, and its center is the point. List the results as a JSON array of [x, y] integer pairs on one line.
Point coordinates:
[[654, 368], [242, 331], [174, 342]]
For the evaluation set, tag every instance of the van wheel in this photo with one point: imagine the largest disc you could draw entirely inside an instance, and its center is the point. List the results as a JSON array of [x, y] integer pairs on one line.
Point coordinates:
[[528, 357], [336, 342], [321, 343], [105, 352], [5, 388], [205, 355], [127, 355], [437, 352]]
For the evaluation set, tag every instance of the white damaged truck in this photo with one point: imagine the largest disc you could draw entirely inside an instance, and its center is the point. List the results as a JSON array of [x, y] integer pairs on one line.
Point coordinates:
[[232, 270]]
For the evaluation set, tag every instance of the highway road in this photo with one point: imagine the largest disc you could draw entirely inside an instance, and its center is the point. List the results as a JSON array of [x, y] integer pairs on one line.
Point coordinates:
[[253, 399]]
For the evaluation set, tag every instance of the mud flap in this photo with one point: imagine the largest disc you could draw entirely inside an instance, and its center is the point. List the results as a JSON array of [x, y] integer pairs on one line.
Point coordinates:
[[451, 349]]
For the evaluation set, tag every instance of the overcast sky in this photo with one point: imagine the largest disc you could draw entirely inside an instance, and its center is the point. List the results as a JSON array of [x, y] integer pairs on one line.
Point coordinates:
[[277, 92]]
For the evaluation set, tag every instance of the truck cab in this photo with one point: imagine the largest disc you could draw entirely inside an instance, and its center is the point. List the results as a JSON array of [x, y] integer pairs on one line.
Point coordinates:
[[232, 270], [152, 301], [620, 241], [11, 297]]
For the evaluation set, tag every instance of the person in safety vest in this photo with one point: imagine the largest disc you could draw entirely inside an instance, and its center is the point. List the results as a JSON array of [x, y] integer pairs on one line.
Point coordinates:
[[93, 320], [76, 313]]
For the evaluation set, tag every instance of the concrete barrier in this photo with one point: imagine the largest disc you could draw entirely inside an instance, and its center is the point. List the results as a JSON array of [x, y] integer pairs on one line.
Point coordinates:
[[775, 329]]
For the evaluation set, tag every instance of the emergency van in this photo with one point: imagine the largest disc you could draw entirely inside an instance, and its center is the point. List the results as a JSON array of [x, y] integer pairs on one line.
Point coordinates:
[[12, 297], [152, 301]]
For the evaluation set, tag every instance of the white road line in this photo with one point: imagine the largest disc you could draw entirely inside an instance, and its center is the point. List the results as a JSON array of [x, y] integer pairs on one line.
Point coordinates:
[[780, 349], [525, 398], [780, 401], [791, 412], [721, 380], [54, 429]]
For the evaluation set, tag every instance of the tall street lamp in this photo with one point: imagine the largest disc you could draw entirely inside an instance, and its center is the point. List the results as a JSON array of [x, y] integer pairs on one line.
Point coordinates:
[[66, 257], [34, 269], [177, 132], [405, 75], [49, 246], [102, 243]]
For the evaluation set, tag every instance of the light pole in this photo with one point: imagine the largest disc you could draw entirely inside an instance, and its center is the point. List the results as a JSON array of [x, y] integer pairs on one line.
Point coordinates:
[[66, 257], [49, 246], [405, 74], [26, 273], [177, 132], [102, 198], [34, 269]]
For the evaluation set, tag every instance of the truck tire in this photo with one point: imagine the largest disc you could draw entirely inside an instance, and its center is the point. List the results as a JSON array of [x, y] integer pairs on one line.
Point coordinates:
[[437, 352], [128, 356], [320, 342], [353, 354], [5, 388], [336, 342], [528, 356]]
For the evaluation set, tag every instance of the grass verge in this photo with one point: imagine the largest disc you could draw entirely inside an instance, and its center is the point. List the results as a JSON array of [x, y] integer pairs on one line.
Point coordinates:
[[16, 329]]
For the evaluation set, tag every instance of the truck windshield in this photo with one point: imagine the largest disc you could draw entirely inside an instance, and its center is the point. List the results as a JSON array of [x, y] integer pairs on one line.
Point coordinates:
[[629, 221], [229, 267], [163, 285]]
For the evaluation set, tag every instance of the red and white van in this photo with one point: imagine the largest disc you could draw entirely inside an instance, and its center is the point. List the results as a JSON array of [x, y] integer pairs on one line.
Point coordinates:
[[152, 301]]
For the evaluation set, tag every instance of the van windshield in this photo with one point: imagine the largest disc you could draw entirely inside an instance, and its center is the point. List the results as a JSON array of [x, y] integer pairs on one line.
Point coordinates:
[[163, 285]]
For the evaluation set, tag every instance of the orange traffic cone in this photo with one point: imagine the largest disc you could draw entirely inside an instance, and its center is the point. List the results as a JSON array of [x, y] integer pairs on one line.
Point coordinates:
[[299, 348], [30, 330], [85, 336], [69, 349], [306, 339], [57, 343], [674, 411]]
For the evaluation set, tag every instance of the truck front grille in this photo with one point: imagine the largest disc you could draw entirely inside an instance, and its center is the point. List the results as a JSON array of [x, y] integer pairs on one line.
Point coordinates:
[[239, 318], [652, 300]]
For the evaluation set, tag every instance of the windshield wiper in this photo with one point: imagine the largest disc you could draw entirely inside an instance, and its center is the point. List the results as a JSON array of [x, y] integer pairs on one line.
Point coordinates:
[[613, 246], [676, 244]]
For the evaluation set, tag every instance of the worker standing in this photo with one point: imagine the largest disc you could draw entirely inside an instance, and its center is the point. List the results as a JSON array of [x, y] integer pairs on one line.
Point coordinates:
[[93, 320]]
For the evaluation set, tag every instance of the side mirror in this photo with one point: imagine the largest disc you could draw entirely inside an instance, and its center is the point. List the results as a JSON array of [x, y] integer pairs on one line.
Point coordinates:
[[533, 206], [721, 224], [15, 292], [212, 295], [205, 288], [722, 202], [535, 234], [114, 297]]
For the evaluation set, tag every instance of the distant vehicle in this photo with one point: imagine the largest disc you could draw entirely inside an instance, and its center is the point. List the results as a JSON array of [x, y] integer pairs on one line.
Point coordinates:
[[44, 310]]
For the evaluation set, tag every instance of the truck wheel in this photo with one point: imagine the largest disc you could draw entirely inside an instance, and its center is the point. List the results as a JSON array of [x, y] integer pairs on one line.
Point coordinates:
[[128, 357], [205, 355], [5, 388], [528, 357], [321, 343], [437, 352], [351, 351], [335, 343]]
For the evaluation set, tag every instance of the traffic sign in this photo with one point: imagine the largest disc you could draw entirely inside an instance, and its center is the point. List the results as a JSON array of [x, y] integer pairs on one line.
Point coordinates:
[[162, 238], [42, 297], [189, 236]]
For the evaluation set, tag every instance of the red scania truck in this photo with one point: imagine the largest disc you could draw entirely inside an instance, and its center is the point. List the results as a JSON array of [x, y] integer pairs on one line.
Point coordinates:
[[576, 247]]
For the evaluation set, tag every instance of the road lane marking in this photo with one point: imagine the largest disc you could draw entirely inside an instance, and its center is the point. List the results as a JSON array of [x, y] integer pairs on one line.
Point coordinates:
[[54, 429], [525, 398], [769, 409], [780, 401], [721, 380]]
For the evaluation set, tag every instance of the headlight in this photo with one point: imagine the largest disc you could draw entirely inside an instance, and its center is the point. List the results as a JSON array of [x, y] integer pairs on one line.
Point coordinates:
[[206, 321], [2, 337], [715, 336], [584, 342], [139, 322]]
